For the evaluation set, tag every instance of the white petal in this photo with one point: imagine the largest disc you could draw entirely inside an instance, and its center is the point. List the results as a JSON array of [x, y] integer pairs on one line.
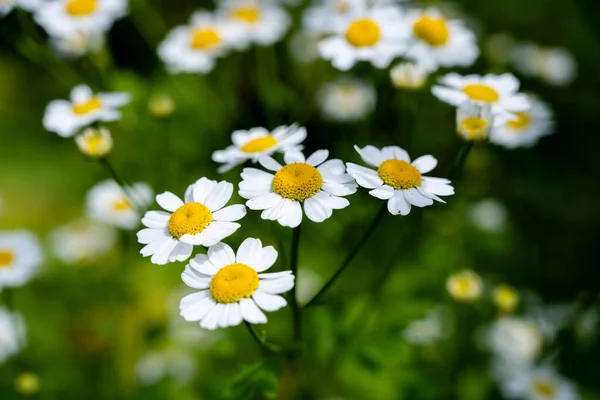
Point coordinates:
[[398, 204], [417, 199], [195, 279], [277, 286], [384, 193], [224, 316], [181, 252], [249, 250], [169, 201], [268, 302], [425, 164], [274, 275], [156, 219], [161, 257], [390, 152], [269, 163], [365, 177], [196, 306], [202, 264], [221, 255], [235, 316], [266, 259], [212, 234], [340, 189], [291, 157], [202, 188], [317, 158], [251, 313], [150, 235], [231, 213], [211, 320], [315, 210], [219, 196], [264, 202], [371, 155], [291, 214]]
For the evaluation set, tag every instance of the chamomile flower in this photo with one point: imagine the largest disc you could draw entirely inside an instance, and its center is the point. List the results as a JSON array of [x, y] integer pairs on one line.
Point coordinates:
[[499, 91], [474, 120], [94, 142], [439, 42], [201, 219], [514, 339], [82, 241], [371, 34], [108, 203], [397, 180], [20, 258], [67, 117], [317, 18], [489, 215], [346, 99], [434, 327], [313, 182], [526, 128], [12, 333], [539, 383], [78, 43], [506, 298], [408, 75], [255, 142], [234, 287], [465, 286], [64, 18], [193, 48], [555, 66]]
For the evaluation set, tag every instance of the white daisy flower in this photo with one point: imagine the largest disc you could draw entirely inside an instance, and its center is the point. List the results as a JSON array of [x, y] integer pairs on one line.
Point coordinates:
[[193, 48], [439, 42], [397, 180], [108, 203], [95, 142], [474, 120], [313, 181], [202, 220], [67, 17], [12, 334], [253, 143], [408, 75], [538, 383], [175, 363], [234, 287], [465, 286], [365, 34], [526, 129], [514, 339], [262, 21], [316, 19], [82, 241], [555, 66], [20, 258], [346, 99], [67, 117], [499, 91], [78, 43]]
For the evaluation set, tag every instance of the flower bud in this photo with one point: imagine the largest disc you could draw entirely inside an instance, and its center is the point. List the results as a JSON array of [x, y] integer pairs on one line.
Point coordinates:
[[95, 142], [474, 120], [161, 106], [408, 75]]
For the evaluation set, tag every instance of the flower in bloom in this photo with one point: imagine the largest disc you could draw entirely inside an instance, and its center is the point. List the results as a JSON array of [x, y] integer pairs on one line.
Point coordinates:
[[555, 66], [108, 203], [253, 143], [193, 48], [95, 142], [200, 219], [67, 117], [515, 340], [12, 334], [506, 298], [408, 75], [474, 120], [347, 99], [313, 181], [372, 34], [465, 286], [499, 91], [317, 18], [489, 215], [526, 128], [397, 180], [439, 42], [82, 241], [20, 257], [64, 18], [234, 287], [537, 383]]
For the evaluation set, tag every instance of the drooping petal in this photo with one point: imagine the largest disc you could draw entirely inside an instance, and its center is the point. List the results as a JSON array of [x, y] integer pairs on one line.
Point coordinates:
[[251, 313], [268, 302]]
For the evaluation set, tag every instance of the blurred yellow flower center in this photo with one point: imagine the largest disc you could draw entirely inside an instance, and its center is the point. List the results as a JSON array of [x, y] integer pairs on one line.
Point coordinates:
[[94, 144], [233, 283], [547, 389], [122, 205], [87, 107], [363, 33], [473, 128], [521, 122], [297, 181], [189, 219], [259, 145], [506, 298], [480, 92], [399, 174], [79, 8], [205, 38], [432, 30], [246, 14], [6, 258]]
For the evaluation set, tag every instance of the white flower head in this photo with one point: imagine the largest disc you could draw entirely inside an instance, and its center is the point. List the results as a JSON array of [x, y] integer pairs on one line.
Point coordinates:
[[372, 34], [315, 182], [201, 219], [234, 287], [555, 66], [20, 258], [255, 142], [526, 128], [408, 75], [67, 117], [316, 19], [474, 120], [82, 241], [170, 362], [95, 142], [6, 6], [347, 99], [499, 91], [465, 286], [538, 383], [108, 203], [514, 339], [489, 215], [78, 43], [397, 180], [64, 18], [12, 334]]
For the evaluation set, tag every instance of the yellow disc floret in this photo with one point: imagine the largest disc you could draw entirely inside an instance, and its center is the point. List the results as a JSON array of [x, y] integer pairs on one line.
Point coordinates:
[[432, 30], [6, 258], [233, 283], [205, 38], [80, 8], [480, 92], [259, 145], [247, 14], [189, 219], [546, 389], [521, 122], [87, 107], [399, 174], [474, 128], [363, 33], [297, 181], [122, 205]]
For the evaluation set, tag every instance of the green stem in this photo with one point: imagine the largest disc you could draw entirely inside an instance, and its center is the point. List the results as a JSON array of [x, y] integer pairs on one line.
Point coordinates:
[[461, 160], [296, 312], [266, 347], [350, 256], [117, 178]]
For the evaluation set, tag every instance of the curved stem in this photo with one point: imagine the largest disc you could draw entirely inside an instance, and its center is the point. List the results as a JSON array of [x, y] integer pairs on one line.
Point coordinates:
[[461, 160], [296, 312], [117, 178], [267, 347]]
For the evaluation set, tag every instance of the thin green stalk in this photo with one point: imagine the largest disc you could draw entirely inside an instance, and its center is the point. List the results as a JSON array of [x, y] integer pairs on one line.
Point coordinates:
[[348, 260], [266, 347], [117, 178], [296, 312], [461, 160]]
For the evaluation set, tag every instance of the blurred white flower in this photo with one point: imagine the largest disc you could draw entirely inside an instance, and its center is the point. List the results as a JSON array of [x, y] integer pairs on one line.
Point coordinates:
[[552, 318], [178, 365], [67, 117], [397, 180], [95, 142], [346, 99], [20, 257], [434, 327], [12, 334], [161, 106], [107, 203], [308, 283], [465, 286], [317, 18], [474, 120], [78, 43], [408, 75], [555, 66], [82, 241], [514, 340], [538, 383], [303, 46], [488, 215]]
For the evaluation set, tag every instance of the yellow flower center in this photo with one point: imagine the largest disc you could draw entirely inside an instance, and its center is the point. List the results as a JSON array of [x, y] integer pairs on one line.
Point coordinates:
[[79, 8], [6, 258], [297, 181], [189, 219], [464, 286], [233, 283], [399, 174], [247, 14], [480, 92], [122, 205], [506, 298], [87, 107], [205, 38], [259, 145], [95, 144], [474, 128], [363, 33], [523, 120], [547, 389], [432, 30]]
